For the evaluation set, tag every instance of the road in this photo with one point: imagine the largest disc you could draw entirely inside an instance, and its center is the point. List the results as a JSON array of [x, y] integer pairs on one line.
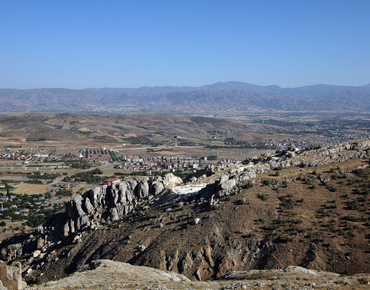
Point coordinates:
[[54, 182], [15, 178], [141, 148]]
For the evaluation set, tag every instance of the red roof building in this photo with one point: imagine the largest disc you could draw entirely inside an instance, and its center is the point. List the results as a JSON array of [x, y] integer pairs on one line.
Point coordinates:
[[111, 181]]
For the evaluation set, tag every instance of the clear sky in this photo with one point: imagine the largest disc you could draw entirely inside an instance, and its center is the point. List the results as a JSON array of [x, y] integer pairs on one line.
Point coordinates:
[[81, 44]]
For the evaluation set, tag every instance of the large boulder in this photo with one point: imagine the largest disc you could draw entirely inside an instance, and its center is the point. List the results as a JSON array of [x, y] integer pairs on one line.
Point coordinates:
[[224, 178], [74, 208], [247, 174], [262, 168], [97, 196], [88, 207], [126, 192], [171, 180], [131, 184], [156, 188], [66, 229], [113, 213], [228, 184], [142, 189]]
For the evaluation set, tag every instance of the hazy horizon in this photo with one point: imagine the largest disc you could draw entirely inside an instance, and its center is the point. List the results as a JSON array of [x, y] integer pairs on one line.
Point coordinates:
[[131, 44], [97, 88]]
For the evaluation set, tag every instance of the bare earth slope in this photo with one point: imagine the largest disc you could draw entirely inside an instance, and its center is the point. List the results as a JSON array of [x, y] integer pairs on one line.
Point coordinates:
[[83, 128], [106, 274], [309, 209]]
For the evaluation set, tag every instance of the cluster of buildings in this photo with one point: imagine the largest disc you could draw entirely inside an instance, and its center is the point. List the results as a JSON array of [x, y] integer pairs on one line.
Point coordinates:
[[127, 162], [157, 163], [57, 155], [100, 155], [22, 209]]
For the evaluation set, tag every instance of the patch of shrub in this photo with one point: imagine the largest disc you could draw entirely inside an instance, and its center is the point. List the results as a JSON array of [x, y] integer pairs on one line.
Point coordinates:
[[287, 201], [262, 196], [248, 185], [266, 182], [241, 201], [353, 204]]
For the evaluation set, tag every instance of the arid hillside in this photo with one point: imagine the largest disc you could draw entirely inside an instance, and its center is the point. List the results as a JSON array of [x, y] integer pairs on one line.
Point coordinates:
[[32, 129], [307, 208], [106, 274]]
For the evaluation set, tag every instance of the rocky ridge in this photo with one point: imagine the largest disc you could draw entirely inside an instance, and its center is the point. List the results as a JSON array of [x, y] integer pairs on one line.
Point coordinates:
[[91, 211], [226, 181], [102, 205]]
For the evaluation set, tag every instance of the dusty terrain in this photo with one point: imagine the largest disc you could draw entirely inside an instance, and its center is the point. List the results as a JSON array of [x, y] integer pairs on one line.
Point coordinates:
[[106, 274], [314, 217], [138, 132]]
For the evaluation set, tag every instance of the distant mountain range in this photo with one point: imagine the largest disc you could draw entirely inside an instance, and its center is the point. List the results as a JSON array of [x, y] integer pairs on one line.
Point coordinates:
[[216, 98], [312, 91]]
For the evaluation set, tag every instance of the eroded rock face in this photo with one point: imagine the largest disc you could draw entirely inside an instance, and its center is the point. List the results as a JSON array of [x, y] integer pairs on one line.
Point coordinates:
[[228, 183], [142, 189], [156, 188], [111, 202], [171, 180], [96, 196], [74, 208], [247, 174]]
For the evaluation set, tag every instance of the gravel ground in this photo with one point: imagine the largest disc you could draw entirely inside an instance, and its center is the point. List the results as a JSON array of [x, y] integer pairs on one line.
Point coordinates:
[[106, 274]]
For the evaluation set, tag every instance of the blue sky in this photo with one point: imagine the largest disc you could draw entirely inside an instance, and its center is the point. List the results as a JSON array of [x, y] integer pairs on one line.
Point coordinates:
[[81, 44]]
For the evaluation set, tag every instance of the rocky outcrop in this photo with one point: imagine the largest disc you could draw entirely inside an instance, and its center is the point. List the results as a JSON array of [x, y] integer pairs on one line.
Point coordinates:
[[170, 180], [156, 188], [109, 203], [11, 276], [228, 183], [104, 204], [89, 211]]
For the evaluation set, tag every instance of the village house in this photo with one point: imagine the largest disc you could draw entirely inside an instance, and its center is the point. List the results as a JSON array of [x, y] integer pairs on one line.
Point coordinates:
[[111, 181]]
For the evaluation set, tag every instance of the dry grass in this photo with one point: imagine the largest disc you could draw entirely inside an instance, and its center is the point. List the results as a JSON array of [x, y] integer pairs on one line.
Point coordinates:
[[30, 189]]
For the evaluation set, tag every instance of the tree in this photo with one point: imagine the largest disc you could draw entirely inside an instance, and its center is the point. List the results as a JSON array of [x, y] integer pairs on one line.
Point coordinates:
[[212, 157]]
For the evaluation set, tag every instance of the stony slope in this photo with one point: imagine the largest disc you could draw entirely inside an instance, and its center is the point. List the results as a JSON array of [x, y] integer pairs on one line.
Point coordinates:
[[106, 274], [314, 214]]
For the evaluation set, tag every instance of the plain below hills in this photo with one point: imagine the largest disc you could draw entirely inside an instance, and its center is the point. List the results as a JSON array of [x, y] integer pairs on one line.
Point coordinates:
[[93, 129]]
